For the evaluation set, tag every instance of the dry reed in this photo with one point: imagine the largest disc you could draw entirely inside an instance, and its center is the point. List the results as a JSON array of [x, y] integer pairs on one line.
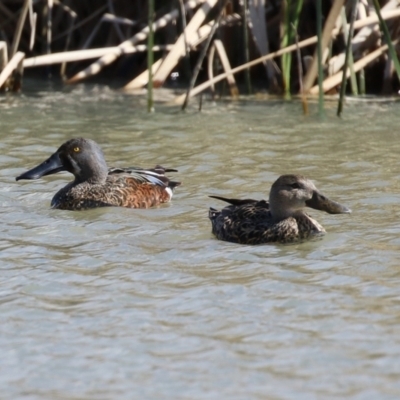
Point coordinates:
[[114, 32]]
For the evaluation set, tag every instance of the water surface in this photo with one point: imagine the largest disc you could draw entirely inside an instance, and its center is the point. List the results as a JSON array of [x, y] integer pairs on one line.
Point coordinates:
[[120, 304]]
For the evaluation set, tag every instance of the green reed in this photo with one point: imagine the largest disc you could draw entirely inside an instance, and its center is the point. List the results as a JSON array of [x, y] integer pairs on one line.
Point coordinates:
[[291, 17], [348, 56], [386, 34]]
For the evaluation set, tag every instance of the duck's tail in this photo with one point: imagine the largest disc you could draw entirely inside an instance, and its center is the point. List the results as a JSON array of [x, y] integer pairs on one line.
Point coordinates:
[[213, 214]]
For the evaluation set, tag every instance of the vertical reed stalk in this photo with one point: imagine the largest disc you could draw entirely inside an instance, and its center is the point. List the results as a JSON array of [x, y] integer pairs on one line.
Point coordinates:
[[49, 25], [150, 57], [32, 21], [319, 55], [186, 60], [3, 55], [202, 55], [20, 25], [284, 43], [72, 15], [246, 44], [290, 32], [386, 34], [361, 81], [346, 59], [112, 11], [347, 33], [300, 69]]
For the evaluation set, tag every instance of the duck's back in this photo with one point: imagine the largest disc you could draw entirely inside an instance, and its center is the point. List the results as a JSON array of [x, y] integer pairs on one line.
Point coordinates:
[[250, 222], [244, 221]]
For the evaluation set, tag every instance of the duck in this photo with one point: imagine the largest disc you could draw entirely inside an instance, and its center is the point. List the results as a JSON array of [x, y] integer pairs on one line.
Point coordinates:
[[96, 185], [282, 219]]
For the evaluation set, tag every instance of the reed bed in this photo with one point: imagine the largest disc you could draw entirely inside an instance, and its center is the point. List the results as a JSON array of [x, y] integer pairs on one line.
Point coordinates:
[[283, 47]]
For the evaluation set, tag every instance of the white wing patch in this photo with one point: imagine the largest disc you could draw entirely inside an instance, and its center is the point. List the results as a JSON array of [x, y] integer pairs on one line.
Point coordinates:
[[169, 191], [142, 175], [152, 179]]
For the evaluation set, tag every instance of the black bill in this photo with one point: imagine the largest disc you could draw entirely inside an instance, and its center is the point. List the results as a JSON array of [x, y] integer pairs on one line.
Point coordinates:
[[51, 166]]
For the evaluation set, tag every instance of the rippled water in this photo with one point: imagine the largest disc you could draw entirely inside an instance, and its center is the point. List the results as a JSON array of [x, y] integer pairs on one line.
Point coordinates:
[[121, 304]]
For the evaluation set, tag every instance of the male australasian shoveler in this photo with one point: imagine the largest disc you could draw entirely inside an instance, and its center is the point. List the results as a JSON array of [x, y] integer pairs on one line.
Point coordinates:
[[97, 186], [282, 219]]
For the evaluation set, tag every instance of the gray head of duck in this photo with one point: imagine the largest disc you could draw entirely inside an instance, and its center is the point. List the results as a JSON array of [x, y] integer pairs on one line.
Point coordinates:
[[81, 157], [290, 194]]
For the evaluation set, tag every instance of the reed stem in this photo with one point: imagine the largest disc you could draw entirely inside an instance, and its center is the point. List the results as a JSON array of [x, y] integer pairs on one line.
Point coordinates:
[[347, 57], [386, 34], [300, 69], [361, 81], [246, 44], [202, 55], [49, 25], [150, 58], [20, 25], [347, 32], [290, 34], [187, 47], [319, 56]]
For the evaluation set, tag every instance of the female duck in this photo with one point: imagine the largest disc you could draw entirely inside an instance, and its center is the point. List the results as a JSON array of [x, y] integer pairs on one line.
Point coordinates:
[[282, 220], [97, 186]]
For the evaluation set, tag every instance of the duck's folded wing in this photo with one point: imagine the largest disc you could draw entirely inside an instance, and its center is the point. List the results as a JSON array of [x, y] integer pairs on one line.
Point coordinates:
[[158, 169], [155, 176], [240, 202]]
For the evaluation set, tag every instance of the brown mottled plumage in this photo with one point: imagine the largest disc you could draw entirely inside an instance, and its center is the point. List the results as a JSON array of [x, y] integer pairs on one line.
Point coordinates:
[[282, 219], [97, 186]]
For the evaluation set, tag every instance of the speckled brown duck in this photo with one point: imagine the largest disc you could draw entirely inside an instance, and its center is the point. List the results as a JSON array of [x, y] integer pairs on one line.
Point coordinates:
[[95, 185], [282, 219]]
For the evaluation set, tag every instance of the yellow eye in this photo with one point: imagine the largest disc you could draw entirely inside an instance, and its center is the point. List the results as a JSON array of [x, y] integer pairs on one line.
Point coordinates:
[[77, 149]]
